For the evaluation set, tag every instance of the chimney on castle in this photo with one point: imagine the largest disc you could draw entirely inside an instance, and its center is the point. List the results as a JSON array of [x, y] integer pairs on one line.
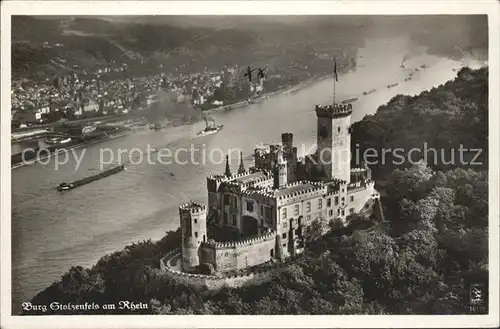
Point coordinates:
[[241, 169], [228, 169], [287, 141]]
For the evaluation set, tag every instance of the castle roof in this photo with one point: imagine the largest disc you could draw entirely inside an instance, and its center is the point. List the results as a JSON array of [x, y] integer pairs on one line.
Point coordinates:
[[290, 190], [251, 177]]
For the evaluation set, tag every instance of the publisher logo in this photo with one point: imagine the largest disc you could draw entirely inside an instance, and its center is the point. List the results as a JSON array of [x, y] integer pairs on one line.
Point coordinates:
[[476, 296]]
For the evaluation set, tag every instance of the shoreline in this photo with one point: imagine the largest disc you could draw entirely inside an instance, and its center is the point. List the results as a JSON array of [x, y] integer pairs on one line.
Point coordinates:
[[285, 91], [298, 87], [74, 147]]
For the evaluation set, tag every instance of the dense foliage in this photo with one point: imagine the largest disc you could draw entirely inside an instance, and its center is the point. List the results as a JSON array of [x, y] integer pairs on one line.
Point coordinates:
[[444, 119], [421, 261]]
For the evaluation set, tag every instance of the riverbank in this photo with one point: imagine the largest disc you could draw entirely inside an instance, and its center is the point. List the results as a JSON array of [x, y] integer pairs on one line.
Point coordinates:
[[40, 158], [298, 87]]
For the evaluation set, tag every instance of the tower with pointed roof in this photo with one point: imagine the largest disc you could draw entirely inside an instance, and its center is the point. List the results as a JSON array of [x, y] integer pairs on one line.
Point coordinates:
[[241, 169], [228, 168]]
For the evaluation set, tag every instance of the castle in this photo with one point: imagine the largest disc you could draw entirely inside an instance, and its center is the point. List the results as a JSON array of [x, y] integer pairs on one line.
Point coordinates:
[[275, 205]]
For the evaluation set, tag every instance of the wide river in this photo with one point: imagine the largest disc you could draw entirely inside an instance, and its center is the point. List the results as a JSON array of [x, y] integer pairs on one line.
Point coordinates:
[[52, 232]]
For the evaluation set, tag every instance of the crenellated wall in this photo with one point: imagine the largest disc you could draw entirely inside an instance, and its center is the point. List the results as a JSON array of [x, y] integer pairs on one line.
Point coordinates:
[[334, 111], [241, 254], [217, 282], [315, 189]]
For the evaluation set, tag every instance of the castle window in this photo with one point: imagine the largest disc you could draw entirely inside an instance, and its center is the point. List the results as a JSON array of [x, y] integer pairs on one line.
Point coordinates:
[[196, 220], [195, 234], [352, 198], [308, 206], [296, 210], [284, 213], [285, 225], [250, 206], [343, 213], [227, 199], [338, 212], [338, 129], [330, 213], [204, 238], [284, 245], [234, 220], [329, 202], [308, 218], [283, 235], [336, 200], [320, 203]]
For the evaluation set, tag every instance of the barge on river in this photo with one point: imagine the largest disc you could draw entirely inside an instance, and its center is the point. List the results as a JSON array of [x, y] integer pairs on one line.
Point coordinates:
[[69, 186]]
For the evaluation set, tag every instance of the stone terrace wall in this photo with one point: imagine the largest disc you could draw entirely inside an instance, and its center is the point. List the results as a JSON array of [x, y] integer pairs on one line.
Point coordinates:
[[218, 282]]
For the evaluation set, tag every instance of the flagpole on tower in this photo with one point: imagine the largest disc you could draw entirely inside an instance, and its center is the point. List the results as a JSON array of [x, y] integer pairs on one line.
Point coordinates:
[[335, 78], [334, 91]]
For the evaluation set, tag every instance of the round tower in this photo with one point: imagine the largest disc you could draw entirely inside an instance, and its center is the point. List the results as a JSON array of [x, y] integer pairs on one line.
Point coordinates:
[[193, 218]]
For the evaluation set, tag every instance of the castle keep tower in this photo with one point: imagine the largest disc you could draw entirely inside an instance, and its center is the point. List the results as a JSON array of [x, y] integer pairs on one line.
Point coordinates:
[[334, 140], [193, 217]]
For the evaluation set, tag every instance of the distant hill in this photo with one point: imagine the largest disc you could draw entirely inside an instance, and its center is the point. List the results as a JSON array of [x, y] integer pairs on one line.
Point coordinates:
[[199, 41]]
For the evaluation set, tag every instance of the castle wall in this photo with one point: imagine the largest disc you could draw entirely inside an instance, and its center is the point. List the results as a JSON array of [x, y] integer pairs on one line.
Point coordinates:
[[238, 255], [358, 196], [193, 232], [215, 283], [334, 140], [341, 148], [258, 210]]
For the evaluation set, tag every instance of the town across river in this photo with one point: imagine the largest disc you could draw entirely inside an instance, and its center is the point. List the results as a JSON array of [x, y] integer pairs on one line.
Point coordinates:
[[50, 236]]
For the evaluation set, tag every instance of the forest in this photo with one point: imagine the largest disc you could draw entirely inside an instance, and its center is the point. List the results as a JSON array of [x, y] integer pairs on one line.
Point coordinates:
[[422, 260]]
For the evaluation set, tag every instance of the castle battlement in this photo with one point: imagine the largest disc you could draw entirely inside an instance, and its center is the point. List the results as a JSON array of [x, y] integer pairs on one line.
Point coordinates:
[[192, 208], [265, 193], [334, 111], [313, 189], [254, 179], [239, 243], [338, 181], [217, 178], [280, 166], [221, 178]]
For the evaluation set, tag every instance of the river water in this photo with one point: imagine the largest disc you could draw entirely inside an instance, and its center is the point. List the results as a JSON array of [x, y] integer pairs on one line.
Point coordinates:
[[52, 232]]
